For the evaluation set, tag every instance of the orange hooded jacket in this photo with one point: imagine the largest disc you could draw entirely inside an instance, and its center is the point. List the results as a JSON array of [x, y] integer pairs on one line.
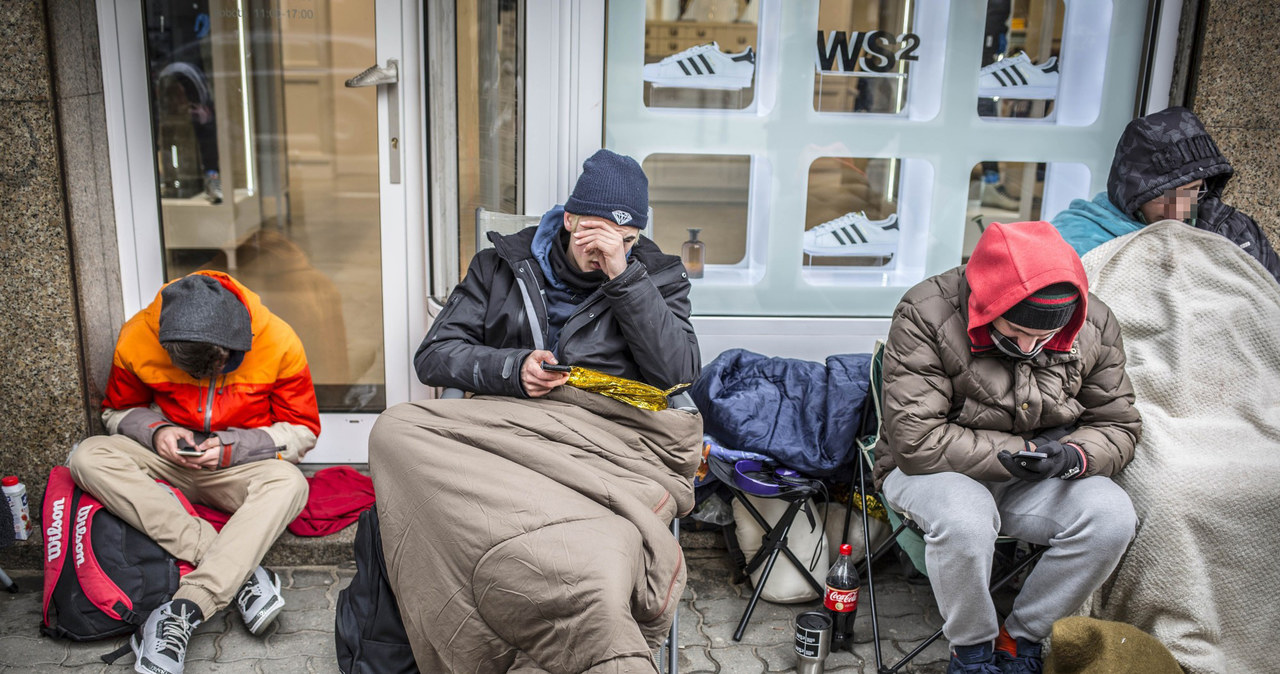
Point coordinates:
[[271, 386]]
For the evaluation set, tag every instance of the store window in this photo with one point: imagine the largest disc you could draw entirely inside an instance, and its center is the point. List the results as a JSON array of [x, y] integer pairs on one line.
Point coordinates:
[[267, 169], [1020, 72], [708, 193], [490, 68], [863, 55], [885, 172], [851, 216], [700, 53]]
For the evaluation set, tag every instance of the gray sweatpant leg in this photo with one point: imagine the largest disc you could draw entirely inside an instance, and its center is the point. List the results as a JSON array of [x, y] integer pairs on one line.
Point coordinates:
[[1086, 523]]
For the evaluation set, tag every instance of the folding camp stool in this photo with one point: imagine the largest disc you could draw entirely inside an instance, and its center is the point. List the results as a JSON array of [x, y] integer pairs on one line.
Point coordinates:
[[906, 534], [775, 536]]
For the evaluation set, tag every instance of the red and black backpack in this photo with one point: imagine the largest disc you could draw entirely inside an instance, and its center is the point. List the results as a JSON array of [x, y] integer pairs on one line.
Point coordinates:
[[102, 577]]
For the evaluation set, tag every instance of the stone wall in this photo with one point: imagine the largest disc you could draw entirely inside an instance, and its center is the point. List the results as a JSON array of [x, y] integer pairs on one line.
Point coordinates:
[[43, 392], [1237, 95], [61, 304]]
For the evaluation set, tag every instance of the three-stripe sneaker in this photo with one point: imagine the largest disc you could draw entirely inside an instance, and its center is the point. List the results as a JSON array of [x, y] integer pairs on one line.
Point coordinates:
[[703, 67], [1018, 77], [852, 234]]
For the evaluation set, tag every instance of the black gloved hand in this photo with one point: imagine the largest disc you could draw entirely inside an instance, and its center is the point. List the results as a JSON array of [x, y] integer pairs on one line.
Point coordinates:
[[1064, 461], [1055, 433]]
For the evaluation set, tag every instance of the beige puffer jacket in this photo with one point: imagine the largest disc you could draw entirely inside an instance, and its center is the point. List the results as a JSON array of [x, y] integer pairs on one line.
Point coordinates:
[[952, 403]]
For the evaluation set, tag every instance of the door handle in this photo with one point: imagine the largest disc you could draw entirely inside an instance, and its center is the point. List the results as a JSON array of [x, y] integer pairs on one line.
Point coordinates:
[[374, 76], [388, 76]]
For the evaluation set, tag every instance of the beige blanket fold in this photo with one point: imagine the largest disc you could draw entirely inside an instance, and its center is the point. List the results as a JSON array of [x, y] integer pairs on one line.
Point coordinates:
[[1201, 325], [533, 535]]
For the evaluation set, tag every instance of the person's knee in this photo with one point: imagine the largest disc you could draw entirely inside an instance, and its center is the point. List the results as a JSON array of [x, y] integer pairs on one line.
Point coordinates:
[[89, 457], [1112, 523], [282, 479], [966, 528]]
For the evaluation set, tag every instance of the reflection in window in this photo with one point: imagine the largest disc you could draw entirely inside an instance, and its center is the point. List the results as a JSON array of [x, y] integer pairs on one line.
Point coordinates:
[[1020, 48], [267, 169], [700, 191], [490, 58], [1015, 197], [700, 53], [851, 217], [863, 55]]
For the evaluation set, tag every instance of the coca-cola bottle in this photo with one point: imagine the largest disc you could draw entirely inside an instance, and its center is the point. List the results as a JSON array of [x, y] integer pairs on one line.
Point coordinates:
[[841, 600]]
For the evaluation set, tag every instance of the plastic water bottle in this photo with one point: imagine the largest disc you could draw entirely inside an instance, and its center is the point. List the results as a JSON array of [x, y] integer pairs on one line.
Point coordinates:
[[16, 494]]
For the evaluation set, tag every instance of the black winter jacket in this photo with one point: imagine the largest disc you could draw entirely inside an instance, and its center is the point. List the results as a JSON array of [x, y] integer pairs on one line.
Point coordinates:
[[634, 326], [1171, 148]]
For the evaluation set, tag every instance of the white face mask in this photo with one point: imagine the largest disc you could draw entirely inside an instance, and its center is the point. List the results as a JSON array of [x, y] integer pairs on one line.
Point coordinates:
[[1010, 348]]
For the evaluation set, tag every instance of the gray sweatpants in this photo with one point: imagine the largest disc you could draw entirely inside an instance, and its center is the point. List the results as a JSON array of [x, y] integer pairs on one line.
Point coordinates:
[[1087, 524]]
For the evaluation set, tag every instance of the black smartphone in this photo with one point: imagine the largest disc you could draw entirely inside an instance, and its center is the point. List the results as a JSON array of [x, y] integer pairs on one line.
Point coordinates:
[[1024, 459], [556, 368]]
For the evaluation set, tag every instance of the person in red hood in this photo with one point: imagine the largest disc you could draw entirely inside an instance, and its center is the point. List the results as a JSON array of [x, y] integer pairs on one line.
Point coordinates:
[[210, 392], [1009, 354]]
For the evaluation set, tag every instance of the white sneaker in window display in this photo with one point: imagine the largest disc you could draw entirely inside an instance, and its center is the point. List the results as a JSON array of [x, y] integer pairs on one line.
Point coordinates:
[[853, 234], [1018, 77], [703, 67]]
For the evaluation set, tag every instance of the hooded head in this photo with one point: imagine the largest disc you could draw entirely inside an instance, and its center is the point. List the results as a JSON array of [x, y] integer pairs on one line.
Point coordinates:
[[1162, 151], [1027, 274], [197, 311]]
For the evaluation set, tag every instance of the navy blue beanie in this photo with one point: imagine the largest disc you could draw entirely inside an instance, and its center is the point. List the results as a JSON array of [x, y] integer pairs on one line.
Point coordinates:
[[613, 187]]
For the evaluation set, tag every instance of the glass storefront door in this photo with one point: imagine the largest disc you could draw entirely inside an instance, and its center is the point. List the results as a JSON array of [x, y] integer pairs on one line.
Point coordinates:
[[282, 156]]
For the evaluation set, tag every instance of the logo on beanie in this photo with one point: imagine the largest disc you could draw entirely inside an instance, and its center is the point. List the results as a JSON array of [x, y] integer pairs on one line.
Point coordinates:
[[621, 217]]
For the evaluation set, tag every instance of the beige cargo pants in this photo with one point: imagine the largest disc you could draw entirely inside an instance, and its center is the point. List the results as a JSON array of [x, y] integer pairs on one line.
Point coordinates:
[[263, 498]]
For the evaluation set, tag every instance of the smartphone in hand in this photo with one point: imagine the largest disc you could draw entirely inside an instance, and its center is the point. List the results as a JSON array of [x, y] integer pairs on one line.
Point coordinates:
[[185, 449], [556, 368], [1027, 459]]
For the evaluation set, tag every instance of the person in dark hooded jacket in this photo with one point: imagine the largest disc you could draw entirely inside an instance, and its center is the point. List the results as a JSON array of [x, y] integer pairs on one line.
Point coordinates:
[[1007, 354], [1166, 167], [582, 288]]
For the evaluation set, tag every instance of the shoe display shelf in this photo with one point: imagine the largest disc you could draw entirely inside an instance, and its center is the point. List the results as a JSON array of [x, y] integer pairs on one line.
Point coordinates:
[[196, 223]]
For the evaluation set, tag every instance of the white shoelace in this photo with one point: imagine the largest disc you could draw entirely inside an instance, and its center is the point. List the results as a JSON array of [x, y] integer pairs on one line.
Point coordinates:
[[175, 630], [697, 49]]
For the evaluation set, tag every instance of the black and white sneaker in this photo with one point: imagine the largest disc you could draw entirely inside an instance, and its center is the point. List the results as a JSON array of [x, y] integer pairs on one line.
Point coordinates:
[[703, 67], [259, 600], [853, 234], [161, 643], [1018, 77]]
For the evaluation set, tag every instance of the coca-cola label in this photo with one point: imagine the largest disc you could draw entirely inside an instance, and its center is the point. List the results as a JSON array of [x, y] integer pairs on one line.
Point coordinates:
[[841, 601]]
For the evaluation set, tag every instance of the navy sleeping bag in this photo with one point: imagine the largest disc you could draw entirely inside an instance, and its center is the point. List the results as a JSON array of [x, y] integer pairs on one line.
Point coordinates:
[[803, 414]]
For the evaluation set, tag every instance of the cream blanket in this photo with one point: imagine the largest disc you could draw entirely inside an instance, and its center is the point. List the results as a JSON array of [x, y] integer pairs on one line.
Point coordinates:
[[531, 535], [1201, 326]]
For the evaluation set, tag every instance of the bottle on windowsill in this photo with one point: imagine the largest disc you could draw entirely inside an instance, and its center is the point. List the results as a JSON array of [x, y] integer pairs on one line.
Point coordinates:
[[693, 254]]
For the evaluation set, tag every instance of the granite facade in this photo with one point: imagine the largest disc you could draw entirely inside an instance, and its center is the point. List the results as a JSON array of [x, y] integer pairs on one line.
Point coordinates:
[[1237, 95], [43, 394]]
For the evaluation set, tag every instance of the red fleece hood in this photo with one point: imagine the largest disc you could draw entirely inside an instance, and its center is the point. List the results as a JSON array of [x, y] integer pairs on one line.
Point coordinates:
[[1010, 262]]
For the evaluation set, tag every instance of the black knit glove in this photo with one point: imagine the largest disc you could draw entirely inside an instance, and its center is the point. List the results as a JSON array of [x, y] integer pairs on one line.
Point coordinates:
[[1063, 461]]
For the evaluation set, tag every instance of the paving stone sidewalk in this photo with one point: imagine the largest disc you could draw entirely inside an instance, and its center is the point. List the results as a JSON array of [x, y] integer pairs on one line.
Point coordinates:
[[301, 640]]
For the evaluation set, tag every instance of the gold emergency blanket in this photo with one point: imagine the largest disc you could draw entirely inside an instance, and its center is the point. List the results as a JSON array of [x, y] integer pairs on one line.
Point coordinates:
[[631, 392]]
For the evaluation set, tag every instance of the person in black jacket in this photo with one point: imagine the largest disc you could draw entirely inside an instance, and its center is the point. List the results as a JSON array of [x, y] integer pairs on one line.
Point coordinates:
[[582, 288], [1166, 167]]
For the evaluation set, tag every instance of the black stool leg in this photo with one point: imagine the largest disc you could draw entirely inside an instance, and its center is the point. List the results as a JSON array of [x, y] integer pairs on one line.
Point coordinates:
[[772, 545]]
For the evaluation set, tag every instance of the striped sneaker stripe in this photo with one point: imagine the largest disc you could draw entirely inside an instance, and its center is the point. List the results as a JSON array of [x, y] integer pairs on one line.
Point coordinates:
[[996, 74], [841, 239], [694, 64], [1015, 71], [854, 228], [683, 67], [703, 58]]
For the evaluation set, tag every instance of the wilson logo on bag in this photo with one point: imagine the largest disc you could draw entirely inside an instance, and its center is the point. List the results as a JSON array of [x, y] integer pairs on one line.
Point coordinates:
[[101, 576]]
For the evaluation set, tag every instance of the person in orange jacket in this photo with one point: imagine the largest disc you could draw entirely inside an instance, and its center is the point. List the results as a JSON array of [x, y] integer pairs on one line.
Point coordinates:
[[210, 392]]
